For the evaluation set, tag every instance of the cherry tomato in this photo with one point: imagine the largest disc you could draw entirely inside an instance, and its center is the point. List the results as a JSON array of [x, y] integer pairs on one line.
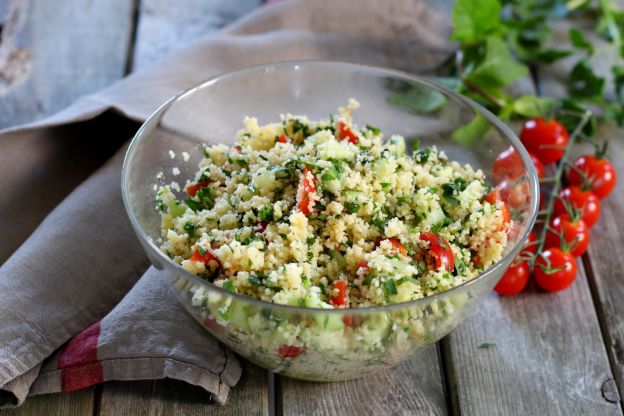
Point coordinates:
[[345, 132], [282, 139], [496, 195], [546, 139], [340, 298], [288, 352], [599, 173], [531, 245], [307, 186], [537, 163], [585, 202], [396, 244], [514, 280], [440, 249], [561, 266], [508, 166], [576, 234], [192, 189]]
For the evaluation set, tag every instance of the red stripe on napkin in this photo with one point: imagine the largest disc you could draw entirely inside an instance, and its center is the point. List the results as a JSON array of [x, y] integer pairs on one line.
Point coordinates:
[[78, 362]]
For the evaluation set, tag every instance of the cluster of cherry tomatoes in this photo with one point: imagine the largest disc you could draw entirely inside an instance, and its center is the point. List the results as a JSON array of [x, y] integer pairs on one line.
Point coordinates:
[[576, 208]]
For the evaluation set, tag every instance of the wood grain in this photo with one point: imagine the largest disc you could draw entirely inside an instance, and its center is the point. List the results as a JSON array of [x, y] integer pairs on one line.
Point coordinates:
[[79, 403], [548, 356], [166, 25], [65, 52], [413, 387], [606, 263], [168, 397]]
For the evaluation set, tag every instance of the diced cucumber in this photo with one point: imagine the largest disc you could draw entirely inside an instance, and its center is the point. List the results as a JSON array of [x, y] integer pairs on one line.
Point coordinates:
[[176, 209], [238, 315], [396, 145], [331, 149], [333, 186], [326, 321], [338, 257]]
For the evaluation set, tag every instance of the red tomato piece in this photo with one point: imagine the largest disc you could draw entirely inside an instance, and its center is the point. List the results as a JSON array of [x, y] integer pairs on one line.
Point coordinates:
[[539, 166], [306, 188], [598, 175], [192, 189], [288, 352], [347, 321], [496, 195], [508, 165], [575, 232], [531, 245], [206, 258], [340, 297], [345, 132], [396, 244], [554, 270], [261, 226], [440, 249], [546, 139], [514, 280], [283, 139], [585, 202]]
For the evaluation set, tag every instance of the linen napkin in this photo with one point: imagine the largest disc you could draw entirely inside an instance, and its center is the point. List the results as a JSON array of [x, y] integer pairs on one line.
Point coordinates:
[[72, 313]]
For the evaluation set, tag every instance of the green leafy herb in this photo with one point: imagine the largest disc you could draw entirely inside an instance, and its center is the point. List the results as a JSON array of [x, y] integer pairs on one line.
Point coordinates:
[[389, 287], [352, 207], [190, 229], [373, 130], [229, 286], [473, 20], [265, 213]]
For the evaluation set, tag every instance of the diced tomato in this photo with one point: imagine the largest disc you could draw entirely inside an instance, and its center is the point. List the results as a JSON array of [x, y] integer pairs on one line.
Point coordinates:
[[396, 244], [306, 188], [211, 323], [340, 298], [192, 189], [206, 258], [288, 352], [261, 226], [283, 139], [495, 195], [440, 249], [347, 320], [346, 133]]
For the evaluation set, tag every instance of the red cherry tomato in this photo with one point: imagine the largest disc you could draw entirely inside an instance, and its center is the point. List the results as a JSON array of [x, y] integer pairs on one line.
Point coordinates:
[[585, 202], [288, 352], [508, 166], [440, 249], [546, 139], [345, 132], [192, 189], [599, 174], [576, 234], [282, 139], [306, 188], [531, 245], [396, 244], [554, 270], [539, 166], [514, 280], [340, 297]]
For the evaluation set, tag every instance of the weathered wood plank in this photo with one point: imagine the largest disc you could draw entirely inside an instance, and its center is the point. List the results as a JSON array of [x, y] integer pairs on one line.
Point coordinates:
[[50, 55], [79, 403], [168, 397], [606, 264], [413, 387], [166, 25], [548, 356]]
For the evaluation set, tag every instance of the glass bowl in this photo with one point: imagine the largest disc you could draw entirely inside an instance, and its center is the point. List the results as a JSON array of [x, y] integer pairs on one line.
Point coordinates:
[[307, 343]]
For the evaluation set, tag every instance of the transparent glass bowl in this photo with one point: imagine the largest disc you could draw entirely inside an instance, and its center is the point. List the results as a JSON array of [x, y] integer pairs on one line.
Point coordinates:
[[315, 344]]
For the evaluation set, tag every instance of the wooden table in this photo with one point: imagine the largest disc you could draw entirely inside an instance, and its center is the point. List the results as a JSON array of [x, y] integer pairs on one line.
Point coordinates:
[[549, 354]]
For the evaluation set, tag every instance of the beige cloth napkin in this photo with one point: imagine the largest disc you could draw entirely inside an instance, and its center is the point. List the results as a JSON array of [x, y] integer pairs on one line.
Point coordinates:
[[69, 314]]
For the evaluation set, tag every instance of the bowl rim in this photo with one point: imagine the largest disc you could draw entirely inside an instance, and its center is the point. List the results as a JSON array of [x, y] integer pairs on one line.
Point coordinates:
[[356, 67]]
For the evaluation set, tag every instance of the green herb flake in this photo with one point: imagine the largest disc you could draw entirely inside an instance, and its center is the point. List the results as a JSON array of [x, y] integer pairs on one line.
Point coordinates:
[[487, 345]]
